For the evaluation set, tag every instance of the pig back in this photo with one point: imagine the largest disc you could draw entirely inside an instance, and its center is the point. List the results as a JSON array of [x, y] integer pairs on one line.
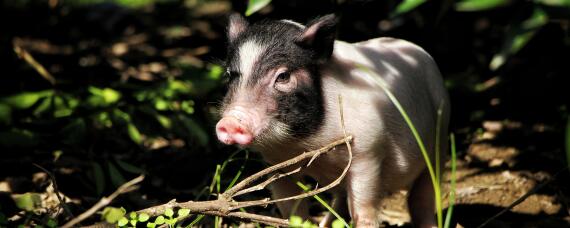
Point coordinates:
[[380, 133]]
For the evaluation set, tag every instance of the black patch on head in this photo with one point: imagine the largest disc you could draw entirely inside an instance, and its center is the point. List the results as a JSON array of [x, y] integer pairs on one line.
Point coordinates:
[[302, 109]]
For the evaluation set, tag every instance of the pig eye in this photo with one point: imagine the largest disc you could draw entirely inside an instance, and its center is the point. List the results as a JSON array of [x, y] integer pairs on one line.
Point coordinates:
[[283, 77]]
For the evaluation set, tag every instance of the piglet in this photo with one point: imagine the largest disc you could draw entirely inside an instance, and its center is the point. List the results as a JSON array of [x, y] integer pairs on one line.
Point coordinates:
[[284, 81]]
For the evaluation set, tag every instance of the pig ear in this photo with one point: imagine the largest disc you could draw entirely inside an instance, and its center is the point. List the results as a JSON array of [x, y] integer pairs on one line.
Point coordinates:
[[319, 35], [236, 26]]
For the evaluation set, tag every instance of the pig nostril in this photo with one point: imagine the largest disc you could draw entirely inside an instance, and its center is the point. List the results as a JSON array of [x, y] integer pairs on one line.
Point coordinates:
[[223, 129]]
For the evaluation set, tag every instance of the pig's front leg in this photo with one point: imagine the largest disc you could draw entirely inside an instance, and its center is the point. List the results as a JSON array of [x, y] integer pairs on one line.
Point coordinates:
[[286, 187], [363, 191]]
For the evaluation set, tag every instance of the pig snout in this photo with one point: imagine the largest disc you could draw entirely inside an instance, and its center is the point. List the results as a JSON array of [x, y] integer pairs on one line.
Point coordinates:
[[230, 130]]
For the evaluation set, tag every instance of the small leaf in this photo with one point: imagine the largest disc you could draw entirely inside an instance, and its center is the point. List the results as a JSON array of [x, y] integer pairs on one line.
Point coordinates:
[[307, 224], [133, 215], [183, 212], [123, 221], [25, 100], [171, 221], [133, 222], [151, 225], [159, 220], [28, 201], [143, 217], [337, 224], [134, 133], [255, 5], [98, 177], [116, 177], [169, 212], [477, 5], [295, 221], [5, 114], [51, 223], [216, 72], [518, 36], [406, 6], [129, 167], [112, 214]]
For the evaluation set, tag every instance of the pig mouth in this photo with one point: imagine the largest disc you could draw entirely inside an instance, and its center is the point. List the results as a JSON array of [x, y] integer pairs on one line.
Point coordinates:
[[238, 128]]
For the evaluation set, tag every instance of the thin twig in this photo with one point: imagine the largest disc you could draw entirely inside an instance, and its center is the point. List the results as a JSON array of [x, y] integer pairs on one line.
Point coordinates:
[[22, 53], [126, 187], [247, 181], [56, 189]]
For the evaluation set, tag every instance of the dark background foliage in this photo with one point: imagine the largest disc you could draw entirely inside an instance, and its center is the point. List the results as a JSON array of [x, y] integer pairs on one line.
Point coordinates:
[[132, 88]]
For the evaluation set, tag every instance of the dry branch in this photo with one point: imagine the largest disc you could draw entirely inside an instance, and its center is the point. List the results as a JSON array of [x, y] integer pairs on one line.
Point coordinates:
[[226, 206], [126, 187]]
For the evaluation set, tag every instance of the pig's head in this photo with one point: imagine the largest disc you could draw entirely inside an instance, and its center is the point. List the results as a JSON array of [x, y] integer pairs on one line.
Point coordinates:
[[274, 87]]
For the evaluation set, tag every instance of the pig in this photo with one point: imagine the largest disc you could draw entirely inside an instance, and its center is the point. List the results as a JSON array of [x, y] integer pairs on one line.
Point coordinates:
[[284, 82]]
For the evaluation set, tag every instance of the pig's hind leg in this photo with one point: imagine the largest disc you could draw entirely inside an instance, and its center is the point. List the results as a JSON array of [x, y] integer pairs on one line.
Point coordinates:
[[421, 202]]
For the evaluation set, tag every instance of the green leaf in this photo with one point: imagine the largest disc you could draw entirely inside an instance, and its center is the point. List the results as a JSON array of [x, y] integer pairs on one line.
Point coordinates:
[[143, 217], [555, 3], [255, 5], [159, 220], [132, 215], [518, 36], [51, 223], [169, 212], [477, 5], [295, 221], [5, 114], [129, 167], [164, 121], [171, 221], [28, 201], [134, 133], [133, 222], [18, 138], [151, 225], [112, 214], [102, 97], [308, 224], [116, 177], [216, 72], [98, 177], [45, 104], [337, 224], [123, 222], [75, 132], [407, 6], [25, 100], [183, 212]]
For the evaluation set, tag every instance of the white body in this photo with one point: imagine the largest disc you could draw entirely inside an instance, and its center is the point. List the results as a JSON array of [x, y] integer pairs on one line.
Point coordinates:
[[386, 155]]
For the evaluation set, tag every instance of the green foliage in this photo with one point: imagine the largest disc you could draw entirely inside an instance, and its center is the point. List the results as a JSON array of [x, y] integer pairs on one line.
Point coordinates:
[[255, 5], [133, 219], [518, 36], [28, 201], [476, 5], [406, 6], [113, 215], [325, 204]]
